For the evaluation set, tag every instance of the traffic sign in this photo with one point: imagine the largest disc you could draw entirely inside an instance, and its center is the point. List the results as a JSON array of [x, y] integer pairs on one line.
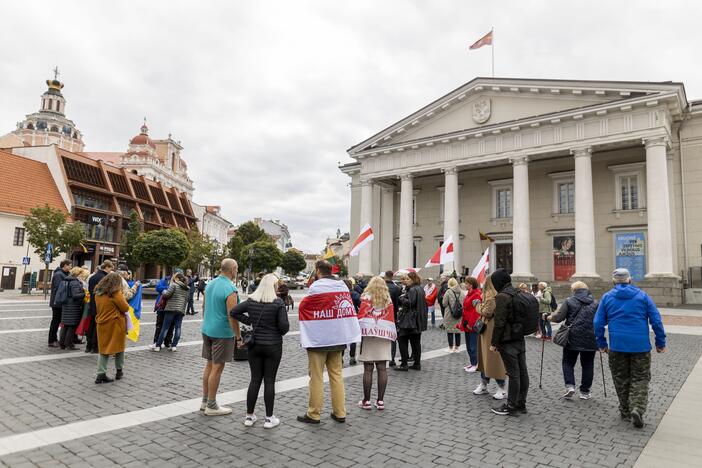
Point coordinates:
[[25, 260]]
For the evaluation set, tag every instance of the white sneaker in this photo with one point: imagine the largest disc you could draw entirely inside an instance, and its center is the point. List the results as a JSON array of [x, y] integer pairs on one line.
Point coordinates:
[[203, 406], [500, 394], [155, 348], [481, 389], [472, 369], [570, 391], [221, 411], [585, 396], [271, 422], [449, 349], [250, 420], [173, 349]]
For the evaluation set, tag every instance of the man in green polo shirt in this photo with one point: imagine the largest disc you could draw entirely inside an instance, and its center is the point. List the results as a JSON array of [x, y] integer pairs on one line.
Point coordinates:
[[218, 333]]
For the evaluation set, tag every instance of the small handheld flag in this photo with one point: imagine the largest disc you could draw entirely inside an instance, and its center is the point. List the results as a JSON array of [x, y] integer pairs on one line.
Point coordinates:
[[480, 270], [443, 255], [364, 238]]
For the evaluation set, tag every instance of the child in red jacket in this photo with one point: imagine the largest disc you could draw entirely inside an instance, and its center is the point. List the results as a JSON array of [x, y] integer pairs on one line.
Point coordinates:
[[470, 316]]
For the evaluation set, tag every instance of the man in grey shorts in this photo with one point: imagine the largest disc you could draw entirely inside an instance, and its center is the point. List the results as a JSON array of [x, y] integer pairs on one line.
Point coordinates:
[[218, 333]]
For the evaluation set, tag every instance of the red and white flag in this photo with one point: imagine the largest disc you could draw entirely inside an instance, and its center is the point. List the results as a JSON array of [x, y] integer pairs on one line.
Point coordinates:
[[406, 271], [376, 322], [327, 315], [480, 270], [483, 41], [365, 237], [443, 255]]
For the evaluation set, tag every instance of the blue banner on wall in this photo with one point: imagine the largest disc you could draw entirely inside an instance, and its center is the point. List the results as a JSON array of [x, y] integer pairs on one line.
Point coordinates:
[[630, 251]]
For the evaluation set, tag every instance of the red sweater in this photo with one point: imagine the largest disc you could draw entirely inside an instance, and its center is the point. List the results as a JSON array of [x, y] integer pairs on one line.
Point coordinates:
[[470, 314], [431, 298]]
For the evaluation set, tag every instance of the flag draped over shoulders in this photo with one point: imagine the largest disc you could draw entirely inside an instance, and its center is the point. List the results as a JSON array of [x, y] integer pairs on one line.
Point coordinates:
[[327, 315], [377, 322]]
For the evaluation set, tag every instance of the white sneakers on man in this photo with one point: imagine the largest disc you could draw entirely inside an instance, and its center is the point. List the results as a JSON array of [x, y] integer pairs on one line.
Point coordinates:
[[219, 411], [570, 391], [500, 394]]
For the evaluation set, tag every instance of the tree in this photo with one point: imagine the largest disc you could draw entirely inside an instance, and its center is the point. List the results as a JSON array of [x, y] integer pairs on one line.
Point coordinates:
[[201, 251], [264, 256], [250, 233], [293, 263], [47, 225], [235, 248], [166, 247], [129, 241]]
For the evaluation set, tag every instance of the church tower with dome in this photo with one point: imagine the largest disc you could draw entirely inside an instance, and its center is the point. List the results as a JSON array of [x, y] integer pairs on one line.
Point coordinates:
[[50, 125]]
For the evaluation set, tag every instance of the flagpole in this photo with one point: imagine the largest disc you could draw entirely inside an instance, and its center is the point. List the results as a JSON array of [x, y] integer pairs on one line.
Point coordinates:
[[492, 48]]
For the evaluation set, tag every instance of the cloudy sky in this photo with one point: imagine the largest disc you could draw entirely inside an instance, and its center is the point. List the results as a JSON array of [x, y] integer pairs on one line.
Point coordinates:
[[266, 96]]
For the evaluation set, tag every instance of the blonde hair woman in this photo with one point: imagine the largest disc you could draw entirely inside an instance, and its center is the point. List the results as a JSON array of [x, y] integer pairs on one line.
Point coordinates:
[[451, 297], [266, 313], [376, 316], [490, 363]]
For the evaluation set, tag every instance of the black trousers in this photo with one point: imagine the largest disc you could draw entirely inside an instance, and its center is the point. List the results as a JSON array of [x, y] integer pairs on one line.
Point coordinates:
[[191, 305], [160, 316], [414, 340], [514, 358], [263, 362], [67, 336], [55, 322], [91, 342]]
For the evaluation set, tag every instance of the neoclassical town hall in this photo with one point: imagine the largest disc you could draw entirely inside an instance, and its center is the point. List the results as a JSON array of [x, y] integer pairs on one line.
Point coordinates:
[[567, 179]]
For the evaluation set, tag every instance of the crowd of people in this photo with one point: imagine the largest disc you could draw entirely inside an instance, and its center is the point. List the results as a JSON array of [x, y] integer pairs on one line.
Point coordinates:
[[378, 316]]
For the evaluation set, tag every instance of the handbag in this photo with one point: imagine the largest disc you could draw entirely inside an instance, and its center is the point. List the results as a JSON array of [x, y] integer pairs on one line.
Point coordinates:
[[161, 304], [247, 337], [561, 336], [479, 326]]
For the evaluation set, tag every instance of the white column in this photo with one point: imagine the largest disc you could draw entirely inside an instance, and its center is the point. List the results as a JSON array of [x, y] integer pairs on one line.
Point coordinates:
[[521, 236], [365, 256], [660, 242], [585, 256], [387, 213], [451, 217], [405, 257]]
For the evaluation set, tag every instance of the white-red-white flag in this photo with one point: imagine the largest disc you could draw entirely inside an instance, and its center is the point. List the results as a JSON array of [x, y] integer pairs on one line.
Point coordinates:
[[483, 41], [364, 238], [406, 271], [327, 315], [443, 255], [480, 270]]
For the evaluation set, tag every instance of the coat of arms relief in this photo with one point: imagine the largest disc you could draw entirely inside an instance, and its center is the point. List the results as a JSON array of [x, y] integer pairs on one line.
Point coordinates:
[[481, 110]]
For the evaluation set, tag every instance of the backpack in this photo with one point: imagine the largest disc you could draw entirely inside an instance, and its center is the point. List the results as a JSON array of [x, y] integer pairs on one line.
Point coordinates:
[[63, 294], [457, 309], [525, 315], [553, 304]]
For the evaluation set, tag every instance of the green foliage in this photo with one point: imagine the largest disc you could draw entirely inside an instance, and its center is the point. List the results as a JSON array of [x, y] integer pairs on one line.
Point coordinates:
[[46, 224], [235, 248], [129, 241], [293, 263], [202, 251], [264, 256], [250, 233], [166, 247]]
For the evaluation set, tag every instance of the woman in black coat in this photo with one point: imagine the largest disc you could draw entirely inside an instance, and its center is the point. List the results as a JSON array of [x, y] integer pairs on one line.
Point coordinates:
[[266, 313], [578, 311], [72, 311], [411, 321]]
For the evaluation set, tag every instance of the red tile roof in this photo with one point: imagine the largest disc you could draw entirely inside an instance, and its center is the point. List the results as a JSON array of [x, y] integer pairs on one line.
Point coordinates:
[[25, 184]]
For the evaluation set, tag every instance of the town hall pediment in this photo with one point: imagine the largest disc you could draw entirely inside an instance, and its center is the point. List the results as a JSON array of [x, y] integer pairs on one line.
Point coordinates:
[[485, 102]]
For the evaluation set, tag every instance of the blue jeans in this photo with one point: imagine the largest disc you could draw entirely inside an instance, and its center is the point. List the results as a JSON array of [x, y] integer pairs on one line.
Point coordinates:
[[545, 327], [486, 380], [176, 319], [472, 347], [433, 316]]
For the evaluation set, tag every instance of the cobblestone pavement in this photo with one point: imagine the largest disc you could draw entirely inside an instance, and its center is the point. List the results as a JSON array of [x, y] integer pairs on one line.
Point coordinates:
[[432, 418]]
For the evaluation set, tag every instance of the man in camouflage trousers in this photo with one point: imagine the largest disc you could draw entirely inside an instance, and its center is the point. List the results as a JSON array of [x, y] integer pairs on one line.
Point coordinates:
[[627, 312]]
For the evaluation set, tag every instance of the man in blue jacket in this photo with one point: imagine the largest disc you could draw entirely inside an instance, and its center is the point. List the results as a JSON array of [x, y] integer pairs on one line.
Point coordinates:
[[627, 312]]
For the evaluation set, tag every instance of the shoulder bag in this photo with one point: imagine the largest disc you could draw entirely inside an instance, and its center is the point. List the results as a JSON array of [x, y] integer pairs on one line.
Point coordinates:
[[247, 337], [561, 336]]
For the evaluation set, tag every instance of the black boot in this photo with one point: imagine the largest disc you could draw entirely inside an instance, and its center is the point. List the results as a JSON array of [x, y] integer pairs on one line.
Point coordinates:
[[103, 378], [119, 374]]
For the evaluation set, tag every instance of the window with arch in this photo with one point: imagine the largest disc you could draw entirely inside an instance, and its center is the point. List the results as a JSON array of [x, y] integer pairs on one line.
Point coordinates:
[[54, 128], [30, 126]]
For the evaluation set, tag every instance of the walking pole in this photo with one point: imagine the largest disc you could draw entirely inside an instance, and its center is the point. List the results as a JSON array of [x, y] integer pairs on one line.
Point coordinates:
[[604, 385], [541, 372]]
